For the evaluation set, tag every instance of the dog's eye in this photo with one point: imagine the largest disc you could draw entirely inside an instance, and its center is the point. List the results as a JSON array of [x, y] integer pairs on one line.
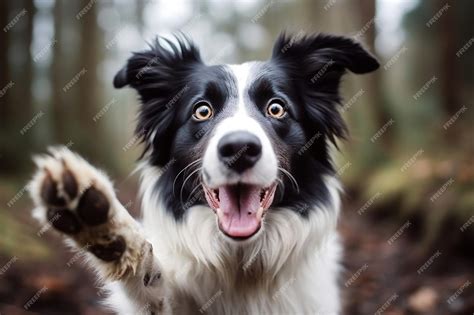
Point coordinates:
[[276, 109], [202, 111]]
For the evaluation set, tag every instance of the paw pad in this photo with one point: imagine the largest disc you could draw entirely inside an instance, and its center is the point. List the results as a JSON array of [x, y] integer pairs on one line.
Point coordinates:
[[93, 207], [70, 184], [64, 220], [49, 193], [110, 251]]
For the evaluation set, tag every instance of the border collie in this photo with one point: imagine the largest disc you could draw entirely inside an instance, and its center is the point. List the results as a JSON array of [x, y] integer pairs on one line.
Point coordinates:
[[239, 194]]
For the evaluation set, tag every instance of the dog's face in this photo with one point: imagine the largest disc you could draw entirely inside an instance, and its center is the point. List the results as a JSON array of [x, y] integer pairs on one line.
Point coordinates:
[[243, 138]]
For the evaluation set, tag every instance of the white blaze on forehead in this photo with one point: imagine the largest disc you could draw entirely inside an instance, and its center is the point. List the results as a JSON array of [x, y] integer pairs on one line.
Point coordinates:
[[241, 119], [264, 171], [241, 73]]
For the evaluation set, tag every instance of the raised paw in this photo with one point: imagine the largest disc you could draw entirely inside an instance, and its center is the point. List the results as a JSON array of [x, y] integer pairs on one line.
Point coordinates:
[[79, 201]]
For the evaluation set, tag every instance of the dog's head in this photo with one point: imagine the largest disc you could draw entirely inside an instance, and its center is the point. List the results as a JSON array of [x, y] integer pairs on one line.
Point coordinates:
[[244, 137]]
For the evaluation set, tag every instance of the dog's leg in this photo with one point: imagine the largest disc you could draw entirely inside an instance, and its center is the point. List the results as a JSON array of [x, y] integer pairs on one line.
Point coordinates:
[[79, 202]]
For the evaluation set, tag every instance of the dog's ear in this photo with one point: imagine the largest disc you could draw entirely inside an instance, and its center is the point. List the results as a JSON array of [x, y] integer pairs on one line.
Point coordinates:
[[157, 63], [159, 74], [316, 64], [315, 51]]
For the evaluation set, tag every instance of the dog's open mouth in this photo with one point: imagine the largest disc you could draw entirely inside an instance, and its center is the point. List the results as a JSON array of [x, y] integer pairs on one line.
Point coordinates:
[[240, 208]]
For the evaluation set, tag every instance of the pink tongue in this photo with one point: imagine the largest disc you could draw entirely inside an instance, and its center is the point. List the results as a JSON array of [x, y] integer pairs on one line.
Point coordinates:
[[238, 210]]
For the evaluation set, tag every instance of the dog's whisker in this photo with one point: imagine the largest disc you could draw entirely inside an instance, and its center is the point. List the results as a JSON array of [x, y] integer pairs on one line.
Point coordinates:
[[183, 170], [281, 186], [291, 177], [184, 184], [281, 183], [191, 194], [198, 180]]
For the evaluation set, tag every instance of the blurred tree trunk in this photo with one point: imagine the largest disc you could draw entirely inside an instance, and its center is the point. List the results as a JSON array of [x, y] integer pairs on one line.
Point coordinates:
[[448, 47], [27, 83], [88, 84], [5, 69], [16, 103], [5, 79], [57, 69], [367, 12], [25, 92], [140, 6]]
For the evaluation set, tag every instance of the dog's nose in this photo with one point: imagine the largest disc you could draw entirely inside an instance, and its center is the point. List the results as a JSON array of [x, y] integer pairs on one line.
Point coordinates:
[[239, 150]]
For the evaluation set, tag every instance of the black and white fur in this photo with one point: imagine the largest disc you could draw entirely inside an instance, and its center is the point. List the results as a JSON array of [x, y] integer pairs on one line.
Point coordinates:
[[179, 260]]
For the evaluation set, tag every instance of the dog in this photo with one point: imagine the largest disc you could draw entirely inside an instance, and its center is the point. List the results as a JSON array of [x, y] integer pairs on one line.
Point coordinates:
[[240, 198]]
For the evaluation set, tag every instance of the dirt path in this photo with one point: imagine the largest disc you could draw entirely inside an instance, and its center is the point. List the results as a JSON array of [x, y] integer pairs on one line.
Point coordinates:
[[394, 275]]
